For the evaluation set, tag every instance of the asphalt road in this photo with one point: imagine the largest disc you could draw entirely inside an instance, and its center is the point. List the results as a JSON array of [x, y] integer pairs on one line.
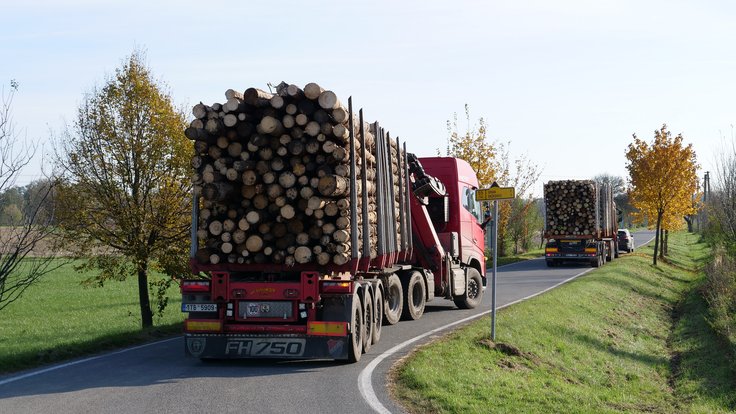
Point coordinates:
[[157, 378]]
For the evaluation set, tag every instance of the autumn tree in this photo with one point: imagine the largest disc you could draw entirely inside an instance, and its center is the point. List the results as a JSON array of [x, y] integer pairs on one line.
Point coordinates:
[[663, 179], [126, 194], [473, 146], [21, 264]]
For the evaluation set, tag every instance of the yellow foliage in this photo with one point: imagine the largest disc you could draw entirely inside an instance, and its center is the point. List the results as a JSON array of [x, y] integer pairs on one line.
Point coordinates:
[[663, 178]]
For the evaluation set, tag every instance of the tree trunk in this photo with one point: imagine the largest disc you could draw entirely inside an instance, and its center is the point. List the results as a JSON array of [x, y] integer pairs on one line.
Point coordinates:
[[666, 242], [656, 236], [661, 243], [145, 302]]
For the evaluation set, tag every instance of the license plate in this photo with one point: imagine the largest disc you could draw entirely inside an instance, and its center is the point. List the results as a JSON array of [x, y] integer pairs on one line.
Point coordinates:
[[266, 347], [199, 307]]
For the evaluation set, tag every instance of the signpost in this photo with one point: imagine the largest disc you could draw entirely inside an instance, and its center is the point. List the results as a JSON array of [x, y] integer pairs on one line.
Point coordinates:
[[494, 193]]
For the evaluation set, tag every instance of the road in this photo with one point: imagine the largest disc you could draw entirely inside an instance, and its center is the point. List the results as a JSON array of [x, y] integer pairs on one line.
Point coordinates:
[[157, 378]]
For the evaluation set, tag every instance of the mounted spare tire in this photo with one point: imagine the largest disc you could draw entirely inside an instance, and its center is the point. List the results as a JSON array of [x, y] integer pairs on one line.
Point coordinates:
[[473, 291], [394, 301], [415, 296]]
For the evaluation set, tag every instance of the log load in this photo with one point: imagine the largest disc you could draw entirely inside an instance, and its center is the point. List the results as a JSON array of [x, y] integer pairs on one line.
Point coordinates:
[[273, 178], [573, 209]]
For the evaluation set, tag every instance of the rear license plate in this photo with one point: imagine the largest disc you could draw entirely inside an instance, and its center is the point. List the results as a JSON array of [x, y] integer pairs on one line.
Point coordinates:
[[199, 307], [265, 347]]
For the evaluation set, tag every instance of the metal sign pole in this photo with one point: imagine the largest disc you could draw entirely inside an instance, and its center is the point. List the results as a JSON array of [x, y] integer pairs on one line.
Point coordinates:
[[495, 256]]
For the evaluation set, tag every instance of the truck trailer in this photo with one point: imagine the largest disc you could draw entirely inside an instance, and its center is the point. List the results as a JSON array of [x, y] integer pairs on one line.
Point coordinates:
[[580, 223], [414, 235]]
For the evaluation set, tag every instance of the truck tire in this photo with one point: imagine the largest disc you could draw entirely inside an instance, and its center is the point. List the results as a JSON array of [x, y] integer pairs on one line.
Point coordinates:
[[369, 319], [596, 262], [394, 303], [415, 296], [473, 291], [378, 315], [550, 263], [357, 330]]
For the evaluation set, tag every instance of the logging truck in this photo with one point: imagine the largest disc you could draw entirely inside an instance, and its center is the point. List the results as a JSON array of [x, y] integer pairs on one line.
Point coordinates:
[[580, 223], [312, 228]]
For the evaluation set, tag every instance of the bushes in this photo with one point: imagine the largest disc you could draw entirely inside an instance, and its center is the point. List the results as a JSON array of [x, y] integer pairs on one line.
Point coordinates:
[[720, 292]]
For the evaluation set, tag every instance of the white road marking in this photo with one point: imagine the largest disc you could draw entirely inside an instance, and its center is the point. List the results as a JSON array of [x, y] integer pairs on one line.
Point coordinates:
[[81, 361], [365, 379]]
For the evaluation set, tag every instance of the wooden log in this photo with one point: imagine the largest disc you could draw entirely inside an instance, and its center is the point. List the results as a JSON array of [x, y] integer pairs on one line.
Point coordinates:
[[312, 91], [333, 185], [303, 254], [254, 243], [328, 100], [233, 94], [200, 110], [257, 97]]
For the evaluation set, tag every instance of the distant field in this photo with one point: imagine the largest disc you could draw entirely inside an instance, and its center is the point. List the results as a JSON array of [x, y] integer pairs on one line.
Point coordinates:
[[57, 318], [628, 337]]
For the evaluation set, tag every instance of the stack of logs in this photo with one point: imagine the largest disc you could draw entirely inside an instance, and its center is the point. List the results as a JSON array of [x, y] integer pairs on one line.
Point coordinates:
[[273, 178], [571, 208]]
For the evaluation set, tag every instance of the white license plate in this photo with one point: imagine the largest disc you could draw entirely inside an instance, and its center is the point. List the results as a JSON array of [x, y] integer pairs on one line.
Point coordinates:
[[266, 347], [199, 307]]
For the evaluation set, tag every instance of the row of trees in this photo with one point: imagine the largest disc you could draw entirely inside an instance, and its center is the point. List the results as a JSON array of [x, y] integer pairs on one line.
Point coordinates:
[[719, 228]]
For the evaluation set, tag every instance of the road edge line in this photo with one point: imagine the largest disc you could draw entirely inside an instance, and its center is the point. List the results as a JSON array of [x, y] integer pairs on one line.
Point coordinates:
[[80, 361]]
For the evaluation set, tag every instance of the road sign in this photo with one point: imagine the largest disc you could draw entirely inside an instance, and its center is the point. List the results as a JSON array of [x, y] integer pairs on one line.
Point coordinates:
[[495, 193]]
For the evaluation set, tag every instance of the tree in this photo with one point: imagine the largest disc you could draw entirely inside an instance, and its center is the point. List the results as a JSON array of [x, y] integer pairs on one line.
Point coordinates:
[[473, 147], [492, 162], [126, 194], [20, 264], [663, 179], [618, 185]]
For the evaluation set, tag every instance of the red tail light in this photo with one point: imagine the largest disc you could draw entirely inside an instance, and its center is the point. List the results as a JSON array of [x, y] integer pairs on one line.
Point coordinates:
[[192, 286]]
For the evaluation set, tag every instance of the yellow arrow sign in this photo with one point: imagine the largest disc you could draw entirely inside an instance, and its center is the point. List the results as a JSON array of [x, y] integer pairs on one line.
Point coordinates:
[[495, 193]]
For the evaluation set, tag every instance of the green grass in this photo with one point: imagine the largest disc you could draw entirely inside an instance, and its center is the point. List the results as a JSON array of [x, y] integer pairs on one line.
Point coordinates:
[[628, 337], [531, 254], [57, 318]]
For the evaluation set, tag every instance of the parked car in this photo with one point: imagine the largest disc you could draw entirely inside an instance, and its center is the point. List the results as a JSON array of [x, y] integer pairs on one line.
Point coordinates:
[[625, 241]]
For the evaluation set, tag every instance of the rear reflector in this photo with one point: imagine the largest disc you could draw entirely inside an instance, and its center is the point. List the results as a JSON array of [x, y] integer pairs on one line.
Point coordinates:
[[327, 328], [550, 250], [202, 326], [590, 250]]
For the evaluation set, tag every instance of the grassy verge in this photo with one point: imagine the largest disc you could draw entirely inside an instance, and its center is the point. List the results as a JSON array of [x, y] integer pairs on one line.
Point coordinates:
[[531, 254], [58, 319], [628, 337]]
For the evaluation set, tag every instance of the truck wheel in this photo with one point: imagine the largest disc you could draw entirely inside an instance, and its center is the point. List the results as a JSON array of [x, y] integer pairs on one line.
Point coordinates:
[[596, 262], [394, 300], [357, 330], [369, 319], [415, 298], [378, 315], [473, 291], [550, 263]]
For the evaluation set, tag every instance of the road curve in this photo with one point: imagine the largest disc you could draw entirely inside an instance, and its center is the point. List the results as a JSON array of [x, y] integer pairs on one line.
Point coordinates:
[[157, 378]]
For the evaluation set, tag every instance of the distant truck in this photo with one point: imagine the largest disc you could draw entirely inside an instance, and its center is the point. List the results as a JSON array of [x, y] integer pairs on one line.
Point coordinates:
[[580, 222]]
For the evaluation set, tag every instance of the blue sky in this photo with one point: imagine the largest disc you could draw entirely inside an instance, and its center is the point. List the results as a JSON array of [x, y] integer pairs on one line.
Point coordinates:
[[567, 82]]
